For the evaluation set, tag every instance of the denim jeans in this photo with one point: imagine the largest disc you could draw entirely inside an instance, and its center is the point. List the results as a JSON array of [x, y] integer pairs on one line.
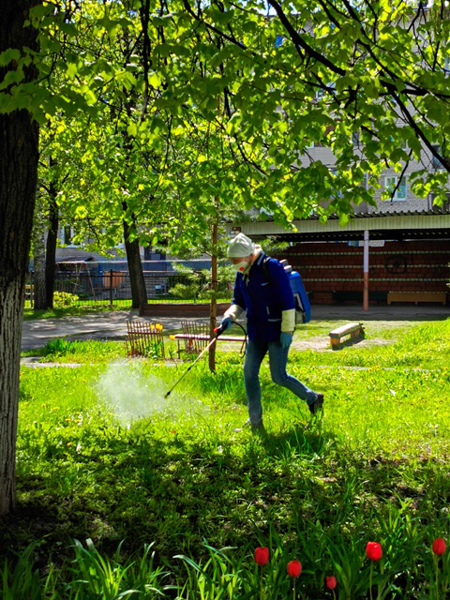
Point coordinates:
[[277, 360]]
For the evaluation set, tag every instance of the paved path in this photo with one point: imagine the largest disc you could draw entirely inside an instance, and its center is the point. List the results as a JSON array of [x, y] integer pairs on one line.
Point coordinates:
[[113, 325]]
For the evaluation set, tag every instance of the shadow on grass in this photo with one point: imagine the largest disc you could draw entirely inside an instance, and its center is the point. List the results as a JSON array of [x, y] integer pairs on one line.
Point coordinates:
[[178, 492]]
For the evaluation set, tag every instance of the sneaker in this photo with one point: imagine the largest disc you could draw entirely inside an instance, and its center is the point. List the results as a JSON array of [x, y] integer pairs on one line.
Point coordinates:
[[317, 405], [259, 426]]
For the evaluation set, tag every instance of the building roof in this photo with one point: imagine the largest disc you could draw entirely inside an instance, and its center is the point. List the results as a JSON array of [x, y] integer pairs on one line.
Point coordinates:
[[390, 225]]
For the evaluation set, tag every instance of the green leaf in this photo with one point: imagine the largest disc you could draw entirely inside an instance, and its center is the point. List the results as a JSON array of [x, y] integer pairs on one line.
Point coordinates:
[[132, 129], [12, 77], [9, 55], [155, 80], [343, 219], [72, 70]]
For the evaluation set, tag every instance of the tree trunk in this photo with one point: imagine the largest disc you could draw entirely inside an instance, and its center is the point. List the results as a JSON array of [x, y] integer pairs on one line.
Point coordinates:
[[213, 306], [40, 299], [18, 179], [52, 238], [137, 281]]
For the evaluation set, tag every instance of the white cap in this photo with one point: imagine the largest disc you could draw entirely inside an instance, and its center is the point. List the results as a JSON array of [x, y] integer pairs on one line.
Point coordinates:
[[240, 246]]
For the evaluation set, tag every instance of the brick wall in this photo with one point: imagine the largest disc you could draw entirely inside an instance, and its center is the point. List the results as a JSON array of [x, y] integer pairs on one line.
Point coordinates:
[[334, 271]]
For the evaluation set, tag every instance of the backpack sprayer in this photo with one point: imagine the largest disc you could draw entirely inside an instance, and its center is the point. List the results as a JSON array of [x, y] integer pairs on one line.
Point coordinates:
[[302, 305]]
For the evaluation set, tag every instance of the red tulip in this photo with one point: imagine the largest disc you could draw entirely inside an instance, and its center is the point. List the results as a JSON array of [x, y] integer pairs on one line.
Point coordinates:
[[374, 551], [331, 582], [261, 556], [294, 568], [439, 546]]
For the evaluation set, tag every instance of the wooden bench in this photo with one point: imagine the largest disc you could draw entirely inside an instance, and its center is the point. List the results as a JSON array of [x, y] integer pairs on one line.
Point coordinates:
[[354, 330], [417, 297], [189, 337]]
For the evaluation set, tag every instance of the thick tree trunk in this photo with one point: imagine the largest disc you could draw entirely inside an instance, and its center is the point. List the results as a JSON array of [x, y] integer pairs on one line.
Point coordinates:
[[18, 178], [52, 238], [137, 281]]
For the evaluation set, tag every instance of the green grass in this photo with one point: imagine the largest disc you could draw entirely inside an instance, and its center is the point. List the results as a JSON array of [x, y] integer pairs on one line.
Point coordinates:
[[390, 344], [60, 350], [89, 307], [75, 310], [101, 455]]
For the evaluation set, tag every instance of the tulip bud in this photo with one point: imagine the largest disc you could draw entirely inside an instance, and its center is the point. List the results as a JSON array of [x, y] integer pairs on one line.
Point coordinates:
[[331, 582], [261, 556], [374, 551], [294, 568], [439, 546]]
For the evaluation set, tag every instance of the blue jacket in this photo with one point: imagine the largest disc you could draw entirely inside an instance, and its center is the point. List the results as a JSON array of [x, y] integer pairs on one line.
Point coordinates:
[[263, 299]]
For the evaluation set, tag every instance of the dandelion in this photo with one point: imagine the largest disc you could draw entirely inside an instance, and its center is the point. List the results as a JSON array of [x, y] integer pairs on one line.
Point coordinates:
[[172, 337]]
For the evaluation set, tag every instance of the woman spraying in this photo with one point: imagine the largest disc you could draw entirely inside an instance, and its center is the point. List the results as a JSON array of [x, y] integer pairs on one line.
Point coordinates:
[[270, 307]]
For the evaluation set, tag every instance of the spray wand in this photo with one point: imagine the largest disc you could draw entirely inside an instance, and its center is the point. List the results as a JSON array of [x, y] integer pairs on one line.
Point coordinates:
[[217, 331]]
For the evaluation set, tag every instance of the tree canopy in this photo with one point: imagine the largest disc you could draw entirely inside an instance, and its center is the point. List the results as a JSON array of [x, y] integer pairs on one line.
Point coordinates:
[[187, 102]]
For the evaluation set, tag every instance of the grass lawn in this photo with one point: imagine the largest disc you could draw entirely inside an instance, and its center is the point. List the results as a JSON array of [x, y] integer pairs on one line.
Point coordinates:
[[102, 456], [80, 308], [74, 310]]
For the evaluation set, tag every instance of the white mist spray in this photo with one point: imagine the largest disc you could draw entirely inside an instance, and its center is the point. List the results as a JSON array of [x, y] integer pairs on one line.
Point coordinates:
[[132, 395]]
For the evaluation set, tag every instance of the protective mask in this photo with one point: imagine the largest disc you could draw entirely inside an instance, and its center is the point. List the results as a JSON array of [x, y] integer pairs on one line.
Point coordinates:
[[240, 267]]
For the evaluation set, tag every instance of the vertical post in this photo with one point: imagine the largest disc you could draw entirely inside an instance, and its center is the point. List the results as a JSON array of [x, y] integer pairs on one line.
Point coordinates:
[[213, 306], [111, 287], [366, 271]]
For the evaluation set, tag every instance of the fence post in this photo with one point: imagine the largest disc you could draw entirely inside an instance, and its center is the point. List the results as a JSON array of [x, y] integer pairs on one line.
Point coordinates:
[[111, 287]]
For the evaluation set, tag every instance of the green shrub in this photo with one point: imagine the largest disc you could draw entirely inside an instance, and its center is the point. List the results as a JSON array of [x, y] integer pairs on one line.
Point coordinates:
[[62, 299]]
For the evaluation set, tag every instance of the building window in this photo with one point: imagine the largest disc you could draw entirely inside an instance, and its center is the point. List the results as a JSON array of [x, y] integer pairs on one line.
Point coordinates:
[[392, 184]]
